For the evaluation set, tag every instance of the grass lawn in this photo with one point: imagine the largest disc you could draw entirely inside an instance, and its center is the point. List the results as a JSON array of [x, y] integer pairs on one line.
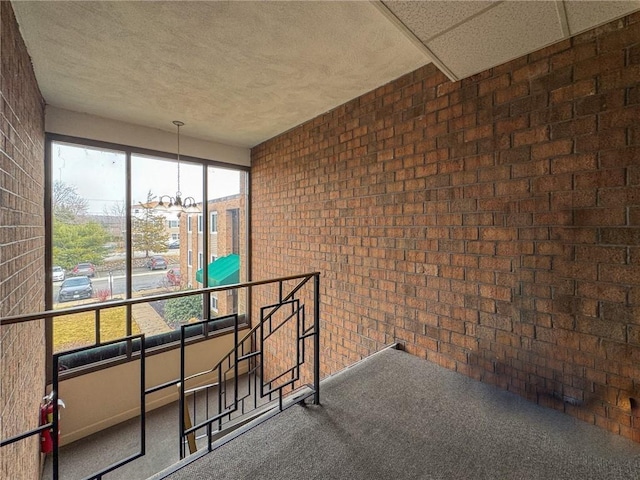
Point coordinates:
[[78, 330]]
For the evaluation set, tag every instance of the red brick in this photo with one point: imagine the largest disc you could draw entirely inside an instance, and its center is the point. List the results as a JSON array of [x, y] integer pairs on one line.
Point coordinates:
[[574, 91], [594, 66], [573, 55], [528, 104], [573, 163], [553, 114], [475, 133], [510, 93], [597, 254], [620, 236], [534, 135], [496, 263], [603, 141], [618, 40], [622, 117], [599, 328], [601, 178], [552, 149], [600, 103], [609, 197], [459, 122], [496, 292], [600, 216], [573, 128], [492, 84], [629, 275], [508, 125], [552, 183], [530, 169], [531, 71]]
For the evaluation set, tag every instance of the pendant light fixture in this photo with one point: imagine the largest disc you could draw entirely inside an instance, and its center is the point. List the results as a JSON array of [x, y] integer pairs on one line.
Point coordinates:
[[177, 204]]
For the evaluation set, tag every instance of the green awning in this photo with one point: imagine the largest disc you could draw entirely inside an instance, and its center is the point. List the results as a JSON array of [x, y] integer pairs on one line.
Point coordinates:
[[223, 271]]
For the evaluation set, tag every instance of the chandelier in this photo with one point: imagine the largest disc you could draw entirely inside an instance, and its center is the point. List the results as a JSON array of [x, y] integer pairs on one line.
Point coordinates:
[[176, 204]]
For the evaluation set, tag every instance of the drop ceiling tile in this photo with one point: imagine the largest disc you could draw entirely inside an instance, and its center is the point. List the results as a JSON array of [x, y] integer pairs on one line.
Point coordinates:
[[583, 15], [500, 34], [431, 18]]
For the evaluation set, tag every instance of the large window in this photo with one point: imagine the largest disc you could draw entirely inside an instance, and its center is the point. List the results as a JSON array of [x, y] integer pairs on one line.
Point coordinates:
[[107, 240]]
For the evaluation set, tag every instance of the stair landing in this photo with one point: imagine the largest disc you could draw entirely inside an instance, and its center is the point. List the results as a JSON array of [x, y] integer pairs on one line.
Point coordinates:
[[395, 416]]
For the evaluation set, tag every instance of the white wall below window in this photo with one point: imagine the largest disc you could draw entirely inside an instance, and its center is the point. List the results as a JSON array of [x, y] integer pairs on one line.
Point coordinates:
[[101, 399]]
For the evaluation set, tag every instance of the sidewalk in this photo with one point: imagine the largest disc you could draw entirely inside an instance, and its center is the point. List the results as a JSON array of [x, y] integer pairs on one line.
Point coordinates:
[[148, 320]]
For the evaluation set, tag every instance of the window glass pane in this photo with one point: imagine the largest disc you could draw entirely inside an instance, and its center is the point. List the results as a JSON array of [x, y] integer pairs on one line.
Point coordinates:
[[88, 234], [79, 329], [91, 243], [157, 242], [226, 207]]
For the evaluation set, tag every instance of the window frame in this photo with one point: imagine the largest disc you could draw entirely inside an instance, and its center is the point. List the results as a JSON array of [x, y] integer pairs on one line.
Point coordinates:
[[214, 302], [214, 223], [129, 151]]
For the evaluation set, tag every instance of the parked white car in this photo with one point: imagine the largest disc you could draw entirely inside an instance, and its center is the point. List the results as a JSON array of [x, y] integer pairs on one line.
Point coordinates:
[[58, 274]]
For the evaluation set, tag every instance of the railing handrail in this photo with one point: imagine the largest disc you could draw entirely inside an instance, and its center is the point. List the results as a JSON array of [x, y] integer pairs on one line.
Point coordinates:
[[22, 318], [227, 411], [229, 400], [256, 327]]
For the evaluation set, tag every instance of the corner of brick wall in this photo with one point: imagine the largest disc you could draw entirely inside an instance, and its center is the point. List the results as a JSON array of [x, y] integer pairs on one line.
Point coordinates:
[[491, 224], [22, 347]]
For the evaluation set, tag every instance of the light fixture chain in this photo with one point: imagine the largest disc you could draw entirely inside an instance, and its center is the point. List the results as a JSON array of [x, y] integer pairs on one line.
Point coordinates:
[[178, 124], [177, 204]]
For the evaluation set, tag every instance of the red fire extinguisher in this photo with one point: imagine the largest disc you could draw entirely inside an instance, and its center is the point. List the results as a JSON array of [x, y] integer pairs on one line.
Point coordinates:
[[46, 416]]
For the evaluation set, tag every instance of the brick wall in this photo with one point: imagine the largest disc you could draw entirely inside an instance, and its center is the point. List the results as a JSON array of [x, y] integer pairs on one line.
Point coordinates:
[[491, 224], [22, 352]]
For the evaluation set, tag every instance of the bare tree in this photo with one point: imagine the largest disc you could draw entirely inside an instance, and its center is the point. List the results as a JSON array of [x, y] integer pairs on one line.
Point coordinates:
[[116, 213], [67, 205]]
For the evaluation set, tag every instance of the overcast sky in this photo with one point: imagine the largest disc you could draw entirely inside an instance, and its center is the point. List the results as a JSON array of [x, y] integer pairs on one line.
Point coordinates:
[[99, 176]]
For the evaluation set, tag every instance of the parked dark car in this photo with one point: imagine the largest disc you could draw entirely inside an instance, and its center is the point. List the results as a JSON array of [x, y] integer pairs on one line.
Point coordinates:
[[75, 288], [173, 276], [84, 269], [156, 262]]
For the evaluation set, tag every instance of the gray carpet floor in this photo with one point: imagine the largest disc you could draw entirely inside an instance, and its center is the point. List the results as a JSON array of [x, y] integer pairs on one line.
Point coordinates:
[[84, 457], [395, 416]]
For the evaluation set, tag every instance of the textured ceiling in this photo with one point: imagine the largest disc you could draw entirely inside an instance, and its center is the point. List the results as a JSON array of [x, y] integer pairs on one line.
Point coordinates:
[[234, 72], [240, 73]]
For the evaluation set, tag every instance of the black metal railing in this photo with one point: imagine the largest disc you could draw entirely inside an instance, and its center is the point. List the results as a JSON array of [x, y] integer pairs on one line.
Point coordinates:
[[230, 375], [238, 385]]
